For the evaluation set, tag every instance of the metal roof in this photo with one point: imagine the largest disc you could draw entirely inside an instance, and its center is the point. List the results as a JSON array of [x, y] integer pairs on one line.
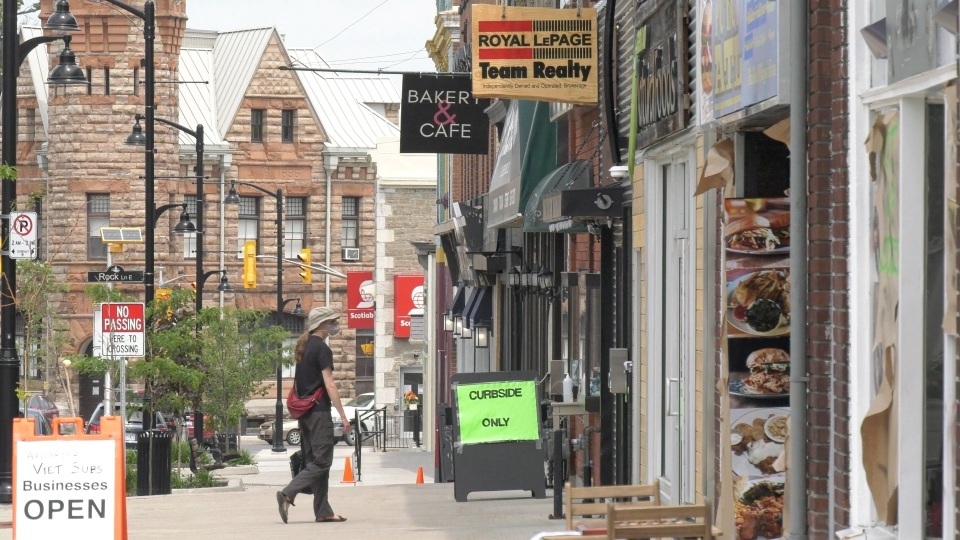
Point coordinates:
[[347, 122], [198, 97], [39, 69], [236, 56]]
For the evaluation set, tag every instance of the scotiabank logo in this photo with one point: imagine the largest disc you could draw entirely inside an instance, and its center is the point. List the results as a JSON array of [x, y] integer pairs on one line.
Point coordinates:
[[409, 298], [360, 299]]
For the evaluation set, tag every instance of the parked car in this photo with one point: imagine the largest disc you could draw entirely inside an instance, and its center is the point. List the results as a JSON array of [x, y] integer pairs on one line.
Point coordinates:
[[40, 424], [363, 402], [134, 422], [291, 430], [41, 403]]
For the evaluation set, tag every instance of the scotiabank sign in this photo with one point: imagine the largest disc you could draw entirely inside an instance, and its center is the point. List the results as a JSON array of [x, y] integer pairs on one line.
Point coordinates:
[[360, 290], [408, 299]]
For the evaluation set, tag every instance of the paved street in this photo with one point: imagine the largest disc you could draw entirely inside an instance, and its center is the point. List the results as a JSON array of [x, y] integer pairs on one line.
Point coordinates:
[[386, 504]]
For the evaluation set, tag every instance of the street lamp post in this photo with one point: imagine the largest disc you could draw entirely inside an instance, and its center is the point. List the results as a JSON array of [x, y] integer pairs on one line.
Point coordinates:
[[67, 72], [148, 16], [233, 198]]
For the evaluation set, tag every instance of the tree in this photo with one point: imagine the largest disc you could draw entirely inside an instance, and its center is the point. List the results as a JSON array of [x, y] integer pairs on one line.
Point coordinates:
[[44, 336], [238, 351]]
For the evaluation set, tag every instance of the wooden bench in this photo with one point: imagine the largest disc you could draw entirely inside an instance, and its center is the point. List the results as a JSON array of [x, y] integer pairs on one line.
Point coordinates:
[[587, 506], [196, 453], [628, 521]]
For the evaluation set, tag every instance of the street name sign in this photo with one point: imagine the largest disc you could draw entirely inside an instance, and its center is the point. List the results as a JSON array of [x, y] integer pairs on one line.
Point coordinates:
[[23, 235], [115, 274], [119, 330]]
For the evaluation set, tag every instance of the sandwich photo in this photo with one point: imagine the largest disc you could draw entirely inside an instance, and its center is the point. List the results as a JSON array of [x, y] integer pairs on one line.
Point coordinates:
[[759, 233], [769, 371]]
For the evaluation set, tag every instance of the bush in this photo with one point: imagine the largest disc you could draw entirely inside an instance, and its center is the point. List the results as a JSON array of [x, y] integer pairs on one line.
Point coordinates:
[[131, 457], [245, 459], [202, 479]]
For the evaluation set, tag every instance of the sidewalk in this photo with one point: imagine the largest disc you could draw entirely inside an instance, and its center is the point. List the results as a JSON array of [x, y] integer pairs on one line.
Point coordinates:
[[386, 504]]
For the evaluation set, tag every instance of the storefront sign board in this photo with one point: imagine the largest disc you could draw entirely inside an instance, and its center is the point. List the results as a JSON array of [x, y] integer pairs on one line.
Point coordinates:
[[540, 54], [409, 299], [745, 53], [662, 75], [440, 115], [360, 298]]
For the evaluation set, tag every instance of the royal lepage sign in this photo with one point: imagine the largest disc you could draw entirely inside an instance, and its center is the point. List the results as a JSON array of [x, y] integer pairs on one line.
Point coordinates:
[[121, 330]]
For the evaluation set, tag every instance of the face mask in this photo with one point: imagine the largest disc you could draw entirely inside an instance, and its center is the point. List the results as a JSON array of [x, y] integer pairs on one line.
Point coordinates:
[[333, 329]]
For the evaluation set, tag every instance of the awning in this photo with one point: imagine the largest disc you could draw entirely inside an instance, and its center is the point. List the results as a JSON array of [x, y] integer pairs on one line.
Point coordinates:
[[458, 301], [479, 307], [591, 204], [528, 151], [574, 175]]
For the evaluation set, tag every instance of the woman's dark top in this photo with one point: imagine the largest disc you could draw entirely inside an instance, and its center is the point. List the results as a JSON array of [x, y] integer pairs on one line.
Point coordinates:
[[317, 356]]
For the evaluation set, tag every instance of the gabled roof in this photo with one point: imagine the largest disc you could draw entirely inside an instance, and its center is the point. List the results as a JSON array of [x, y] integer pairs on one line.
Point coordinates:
[[347, 122], [37, 60], [198, 98], [236, 56]]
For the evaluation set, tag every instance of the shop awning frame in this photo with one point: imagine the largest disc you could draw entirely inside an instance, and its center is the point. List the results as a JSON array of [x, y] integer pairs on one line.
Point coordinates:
[[574, 175]]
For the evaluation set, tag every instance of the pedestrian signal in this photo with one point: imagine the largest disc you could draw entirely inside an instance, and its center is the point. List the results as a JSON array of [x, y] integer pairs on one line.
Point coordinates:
[[305, 271], [250, 264]]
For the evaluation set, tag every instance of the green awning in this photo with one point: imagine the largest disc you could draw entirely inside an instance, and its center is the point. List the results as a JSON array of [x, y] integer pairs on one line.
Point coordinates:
[[573, 175], [528, 151]]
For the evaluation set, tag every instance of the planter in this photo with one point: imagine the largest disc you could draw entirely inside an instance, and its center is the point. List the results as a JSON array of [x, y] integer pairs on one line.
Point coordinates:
[[412, 407]]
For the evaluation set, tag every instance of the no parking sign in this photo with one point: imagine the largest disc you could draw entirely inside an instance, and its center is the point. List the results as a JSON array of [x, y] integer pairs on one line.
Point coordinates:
[[23, 235]]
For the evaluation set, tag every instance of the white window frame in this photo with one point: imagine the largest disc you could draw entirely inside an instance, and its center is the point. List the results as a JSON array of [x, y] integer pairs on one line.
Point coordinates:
[[294, 227], [866, 100], [245, 220], [190, 238]]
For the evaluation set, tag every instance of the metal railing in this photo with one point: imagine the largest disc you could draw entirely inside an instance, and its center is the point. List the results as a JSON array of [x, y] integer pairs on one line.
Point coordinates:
[[378, 430]]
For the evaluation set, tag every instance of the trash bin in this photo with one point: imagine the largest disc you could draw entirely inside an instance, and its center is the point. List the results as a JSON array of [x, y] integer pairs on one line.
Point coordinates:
[[153, 462]]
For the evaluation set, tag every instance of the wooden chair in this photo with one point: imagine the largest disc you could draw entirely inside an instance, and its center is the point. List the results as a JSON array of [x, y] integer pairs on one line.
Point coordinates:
[[587, 506], [686, 521]]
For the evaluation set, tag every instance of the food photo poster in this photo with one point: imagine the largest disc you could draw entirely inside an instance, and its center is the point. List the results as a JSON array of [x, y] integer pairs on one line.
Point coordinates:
[[757, 294]]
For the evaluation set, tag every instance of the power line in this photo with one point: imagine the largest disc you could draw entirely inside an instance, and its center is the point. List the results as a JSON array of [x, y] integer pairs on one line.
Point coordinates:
[[351, 24], [377, 72], [342, 60]]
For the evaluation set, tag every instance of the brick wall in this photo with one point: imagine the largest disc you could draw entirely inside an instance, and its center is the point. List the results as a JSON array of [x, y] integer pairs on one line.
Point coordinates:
[[827, 307]]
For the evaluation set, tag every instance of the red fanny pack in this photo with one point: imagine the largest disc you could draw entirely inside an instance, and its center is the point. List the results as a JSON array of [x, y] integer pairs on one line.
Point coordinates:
[[299, 406]]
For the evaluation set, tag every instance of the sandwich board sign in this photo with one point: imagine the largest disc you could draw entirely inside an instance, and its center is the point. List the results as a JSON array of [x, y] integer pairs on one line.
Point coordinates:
[[118, 330], [69, 486], [23, 235]]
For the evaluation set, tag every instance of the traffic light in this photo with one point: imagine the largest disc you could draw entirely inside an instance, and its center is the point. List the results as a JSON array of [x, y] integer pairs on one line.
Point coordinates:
[[305, 271], [250, 264], [193, 284]]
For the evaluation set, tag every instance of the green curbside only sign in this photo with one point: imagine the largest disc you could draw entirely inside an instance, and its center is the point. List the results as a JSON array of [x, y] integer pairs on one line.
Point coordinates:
[[498, 412]]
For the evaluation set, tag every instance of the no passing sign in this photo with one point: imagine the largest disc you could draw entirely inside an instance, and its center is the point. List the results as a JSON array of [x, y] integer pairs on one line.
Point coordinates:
[[120, 328]]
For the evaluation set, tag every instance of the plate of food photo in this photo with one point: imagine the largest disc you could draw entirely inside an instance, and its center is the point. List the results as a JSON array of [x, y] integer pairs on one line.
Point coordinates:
[[769, 375], [758, 507], [757, 227], [758, 303], [755, 452]]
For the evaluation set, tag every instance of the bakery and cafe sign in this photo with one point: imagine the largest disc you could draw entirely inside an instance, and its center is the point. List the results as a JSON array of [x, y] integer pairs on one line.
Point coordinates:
[[661, 81], [439, 115], [539, 54]]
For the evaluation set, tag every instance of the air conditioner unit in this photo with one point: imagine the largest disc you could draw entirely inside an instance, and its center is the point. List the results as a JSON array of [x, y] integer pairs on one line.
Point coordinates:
[[351, 254]]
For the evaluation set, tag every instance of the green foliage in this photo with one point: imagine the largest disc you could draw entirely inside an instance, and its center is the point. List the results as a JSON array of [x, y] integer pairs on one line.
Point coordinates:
[[131, 457], [131, 477], [7, 172], [38, 293], [202, 479], [245, 459], [238, 351]]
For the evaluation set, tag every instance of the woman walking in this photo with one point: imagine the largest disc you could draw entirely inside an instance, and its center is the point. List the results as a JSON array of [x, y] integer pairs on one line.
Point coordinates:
[[314, 370]]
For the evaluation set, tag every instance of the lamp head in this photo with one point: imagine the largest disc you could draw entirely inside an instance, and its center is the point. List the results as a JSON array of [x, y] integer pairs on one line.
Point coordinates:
[[67, 71], [136, 137], [62, 20], [184, 225], [224, 284], [298, 309], [232, 197]]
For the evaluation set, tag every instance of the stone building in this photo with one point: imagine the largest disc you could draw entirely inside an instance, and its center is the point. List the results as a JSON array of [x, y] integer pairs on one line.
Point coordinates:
[[309, 134]]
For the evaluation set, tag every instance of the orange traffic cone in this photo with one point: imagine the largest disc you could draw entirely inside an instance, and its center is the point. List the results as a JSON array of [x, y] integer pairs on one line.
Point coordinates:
[[419, 475], [348, 473]]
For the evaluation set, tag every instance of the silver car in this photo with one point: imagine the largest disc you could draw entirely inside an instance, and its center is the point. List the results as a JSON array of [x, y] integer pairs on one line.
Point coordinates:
[[291, 431]]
